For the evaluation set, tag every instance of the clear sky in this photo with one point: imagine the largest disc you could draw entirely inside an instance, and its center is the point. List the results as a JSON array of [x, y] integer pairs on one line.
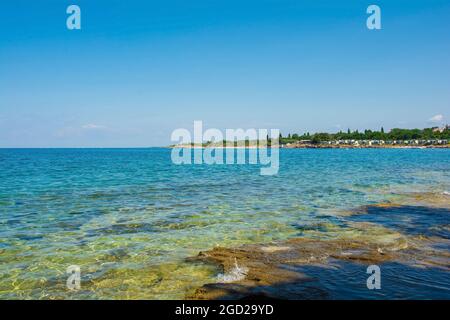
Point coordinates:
[[137, 70]]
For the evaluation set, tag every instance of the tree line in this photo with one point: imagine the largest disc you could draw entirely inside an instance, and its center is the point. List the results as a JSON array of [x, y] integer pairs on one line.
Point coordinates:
[[394, 134]]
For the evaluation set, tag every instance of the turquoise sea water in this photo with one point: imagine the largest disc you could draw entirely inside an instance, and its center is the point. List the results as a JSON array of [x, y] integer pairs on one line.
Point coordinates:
[[129, 217]]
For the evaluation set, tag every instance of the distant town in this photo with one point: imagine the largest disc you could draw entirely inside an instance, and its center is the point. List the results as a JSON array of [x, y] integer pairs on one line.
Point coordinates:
[[428, 137]]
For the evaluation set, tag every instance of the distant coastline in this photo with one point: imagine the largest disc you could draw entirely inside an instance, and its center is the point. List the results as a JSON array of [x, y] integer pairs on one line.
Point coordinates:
[[320, 146], [434, 137]]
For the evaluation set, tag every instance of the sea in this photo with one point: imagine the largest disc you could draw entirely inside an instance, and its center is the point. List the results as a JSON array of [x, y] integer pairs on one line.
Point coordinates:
[[129, 220]]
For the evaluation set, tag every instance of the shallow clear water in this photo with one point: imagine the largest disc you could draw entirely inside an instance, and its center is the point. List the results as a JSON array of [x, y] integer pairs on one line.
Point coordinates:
[[129, 217]]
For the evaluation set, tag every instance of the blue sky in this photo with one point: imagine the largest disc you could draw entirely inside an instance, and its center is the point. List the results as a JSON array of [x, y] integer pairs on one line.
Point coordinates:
[[140, 69]]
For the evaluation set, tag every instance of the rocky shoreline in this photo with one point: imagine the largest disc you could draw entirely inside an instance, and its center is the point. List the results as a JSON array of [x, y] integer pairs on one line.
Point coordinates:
[[276, 270]]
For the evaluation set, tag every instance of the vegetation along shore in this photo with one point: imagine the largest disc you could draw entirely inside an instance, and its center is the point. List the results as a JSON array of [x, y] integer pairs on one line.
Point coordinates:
[[435, 137]]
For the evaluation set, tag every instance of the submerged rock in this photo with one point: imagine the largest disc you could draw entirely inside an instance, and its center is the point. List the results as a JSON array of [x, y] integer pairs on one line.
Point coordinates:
[[275, 270], [269, 268], [404, 237]]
